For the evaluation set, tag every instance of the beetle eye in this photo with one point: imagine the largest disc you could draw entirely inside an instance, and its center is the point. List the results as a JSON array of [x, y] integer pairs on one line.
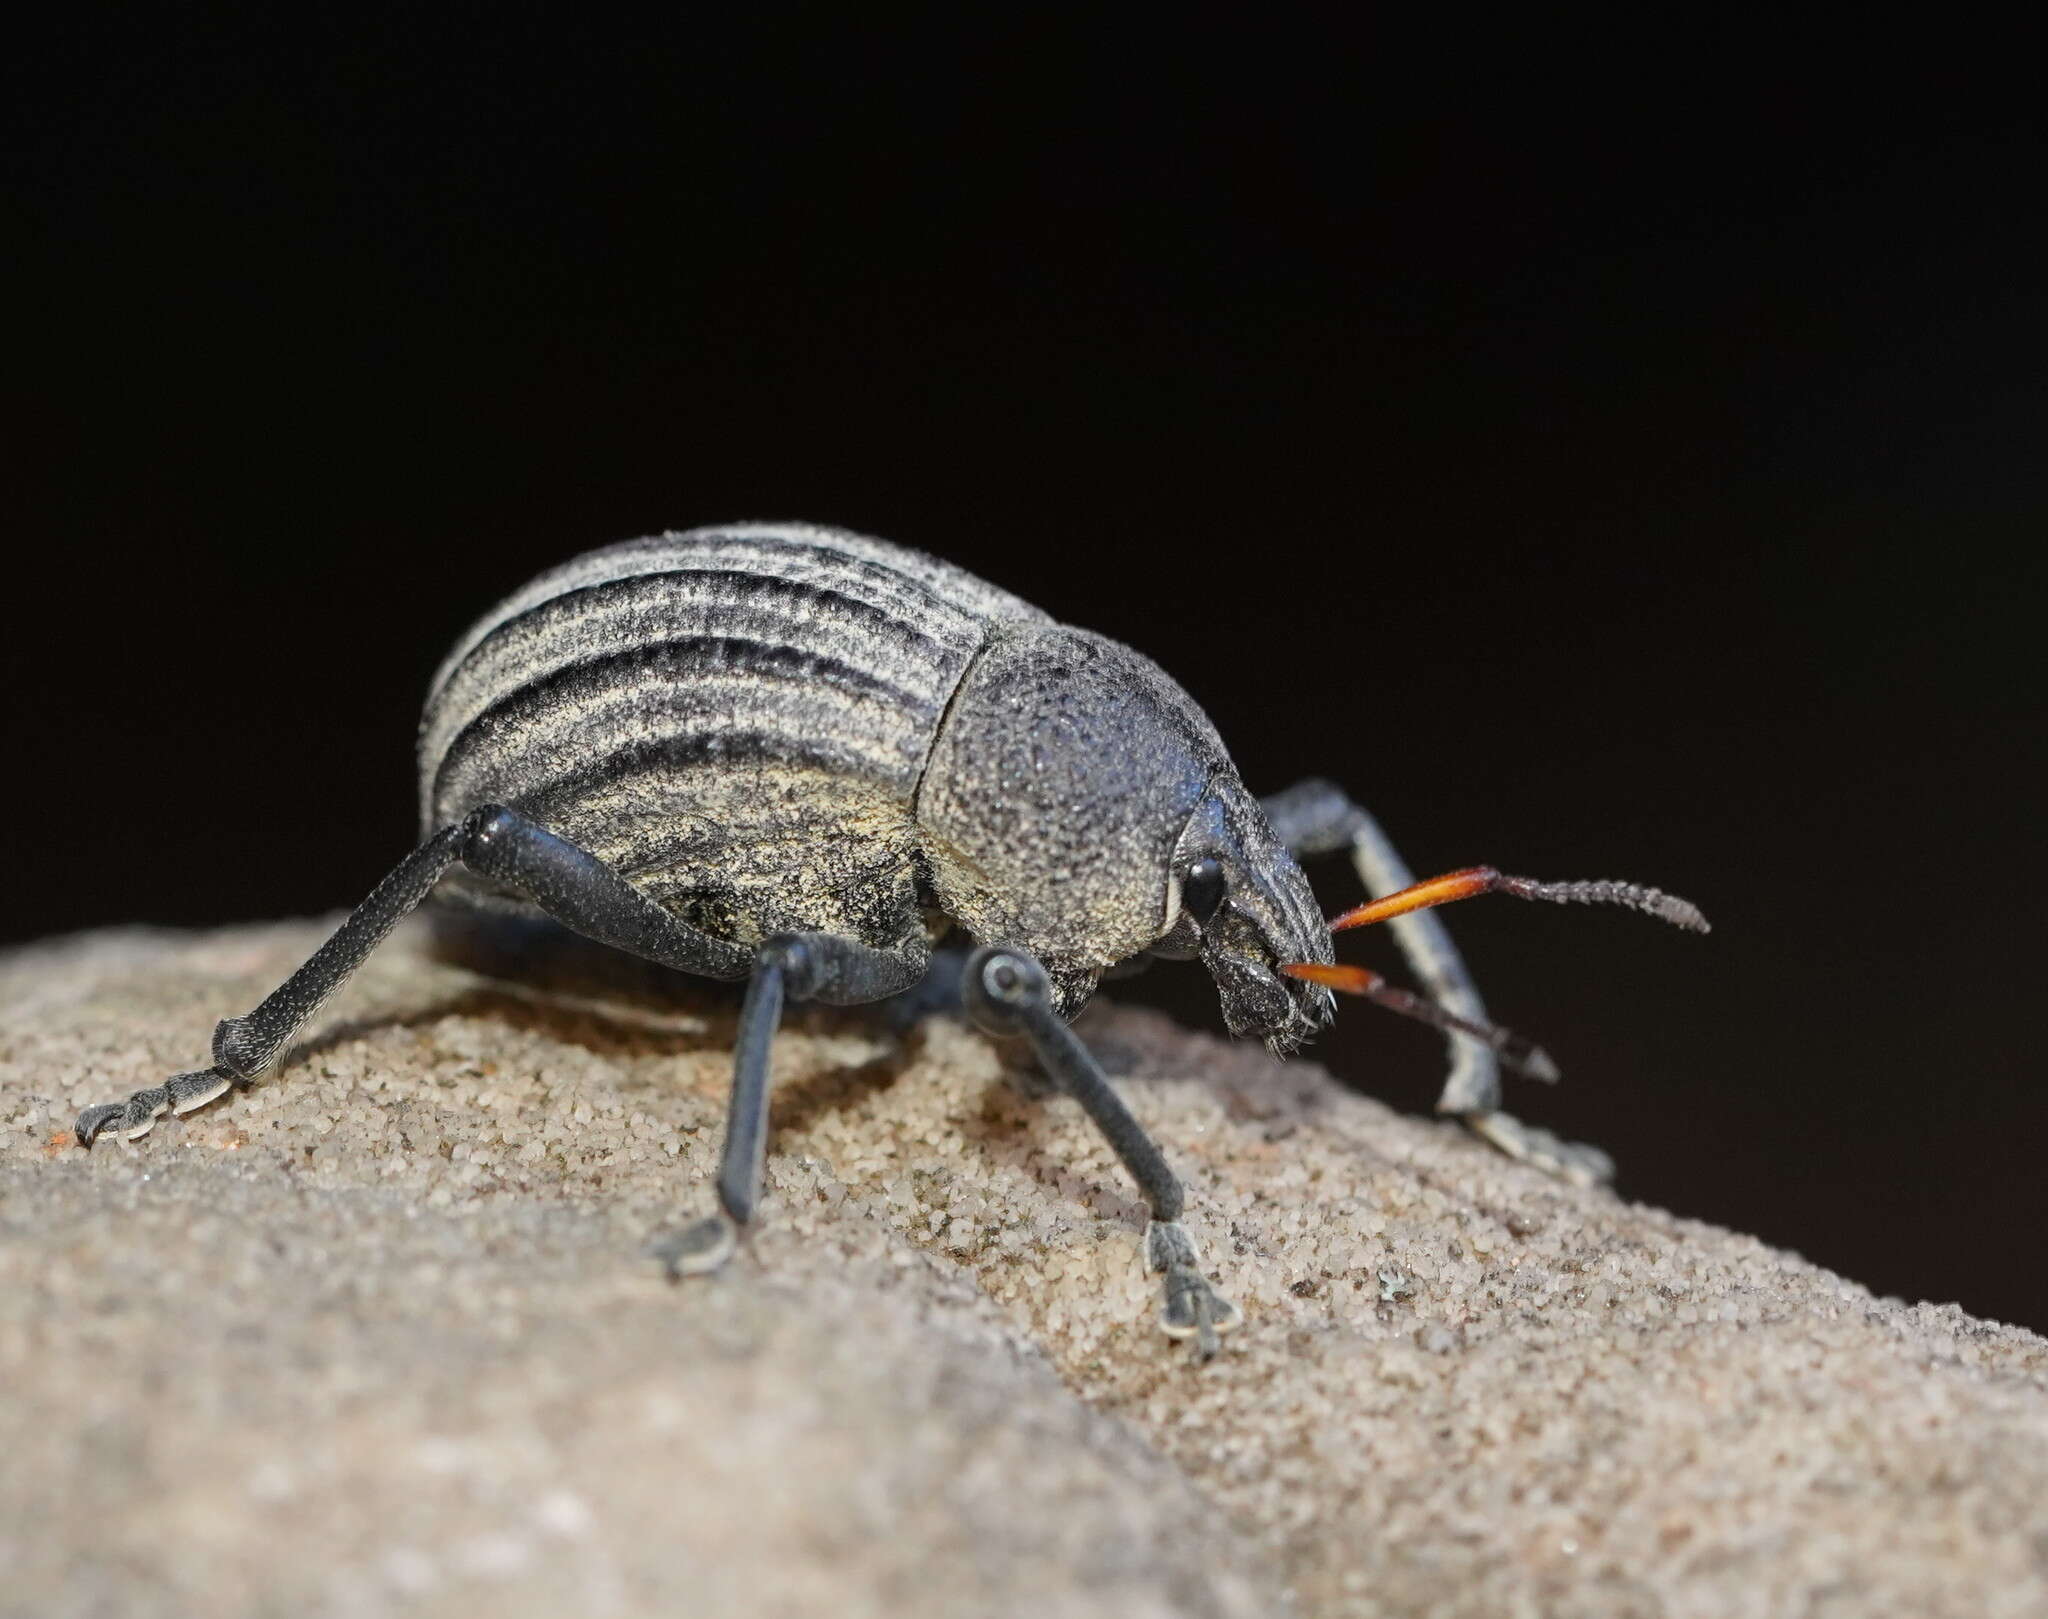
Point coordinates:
[[1201, 890]]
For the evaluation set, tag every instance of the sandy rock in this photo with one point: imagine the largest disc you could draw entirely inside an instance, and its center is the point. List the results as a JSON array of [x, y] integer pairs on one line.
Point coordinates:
[[380, 1336]]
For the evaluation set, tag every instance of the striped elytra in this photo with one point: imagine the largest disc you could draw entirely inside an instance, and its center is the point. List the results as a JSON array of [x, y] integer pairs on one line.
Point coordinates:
[[737, 718]]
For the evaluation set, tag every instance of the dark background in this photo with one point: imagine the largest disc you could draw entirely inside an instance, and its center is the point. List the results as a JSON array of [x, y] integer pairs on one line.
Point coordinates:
[[1636, 482]]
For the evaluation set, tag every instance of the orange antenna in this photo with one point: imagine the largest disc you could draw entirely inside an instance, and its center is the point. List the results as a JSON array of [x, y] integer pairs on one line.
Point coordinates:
[[1515, 1052], [1523, 1056], [1476, 880]]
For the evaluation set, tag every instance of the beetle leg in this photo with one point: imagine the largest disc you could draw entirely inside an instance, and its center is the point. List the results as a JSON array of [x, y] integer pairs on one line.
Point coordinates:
[[244, 1046], [138, 1115], [792, 966], [1317, 817], [587, 896], [1579, 1162], [569, 883], [1007, 991]]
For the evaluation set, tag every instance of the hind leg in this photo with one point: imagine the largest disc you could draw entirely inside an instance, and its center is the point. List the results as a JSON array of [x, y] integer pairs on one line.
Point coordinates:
[[244, 1046], [567, 882]]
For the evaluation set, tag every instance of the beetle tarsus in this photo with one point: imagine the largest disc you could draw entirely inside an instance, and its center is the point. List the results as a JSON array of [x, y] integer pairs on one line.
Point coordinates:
[[1576, 1161], [137, 1116], [700, 1248], [95, 1119], [1193, 1308]]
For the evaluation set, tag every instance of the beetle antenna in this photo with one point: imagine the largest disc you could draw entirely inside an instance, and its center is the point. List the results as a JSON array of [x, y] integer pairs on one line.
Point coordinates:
[[1476, 880], [1515, 1052]]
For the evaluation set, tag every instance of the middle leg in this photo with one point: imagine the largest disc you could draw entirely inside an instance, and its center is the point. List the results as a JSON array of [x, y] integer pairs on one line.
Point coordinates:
[[789, 966]]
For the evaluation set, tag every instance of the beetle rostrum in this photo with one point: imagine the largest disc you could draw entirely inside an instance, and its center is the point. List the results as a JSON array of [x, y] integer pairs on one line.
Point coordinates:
[[801, 757]]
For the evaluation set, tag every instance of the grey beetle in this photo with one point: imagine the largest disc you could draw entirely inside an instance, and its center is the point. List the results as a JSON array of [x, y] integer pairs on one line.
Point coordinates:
[[797, 756]]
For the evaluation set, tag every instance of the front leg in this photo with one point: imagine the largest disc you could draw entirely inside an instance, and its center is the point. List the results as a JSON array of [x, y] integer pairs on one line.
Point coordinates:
[[1317, 817], [1007, 991]]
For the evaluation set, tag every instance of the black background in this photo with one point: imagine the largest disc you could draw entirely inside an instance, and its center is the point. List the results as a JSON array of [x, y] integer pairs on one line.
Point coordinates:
[[1604, 472]]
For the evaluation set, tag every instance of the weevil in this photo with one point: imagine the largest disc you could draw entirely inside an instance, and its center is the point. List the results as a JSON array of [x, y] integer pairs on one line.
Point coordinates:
[[799, 757]]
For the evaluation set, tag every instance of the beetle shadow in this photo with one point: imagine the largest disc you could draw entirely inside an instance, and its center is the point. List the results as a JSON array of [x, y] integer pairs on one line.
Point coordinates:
[[1139, 1044], [1012, 1124], [1138, 1047], [680, 1023], [798, 1104], [604, 1029]]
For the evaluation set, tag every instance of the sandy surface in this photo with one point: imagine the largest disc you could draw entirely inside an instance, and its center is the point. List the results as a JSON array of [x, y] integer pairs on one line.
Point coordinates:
[[380, 1336]]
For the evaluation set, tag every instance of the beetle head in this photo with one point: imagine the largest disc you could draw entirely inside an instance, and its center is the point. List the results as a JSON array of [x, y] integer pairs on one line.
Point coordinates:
[[1239, 900]]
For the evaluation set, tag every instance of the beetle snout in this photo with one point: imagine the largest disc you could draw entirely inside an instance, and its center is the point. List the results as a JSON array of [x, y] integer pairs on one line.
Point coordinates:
[[1257, 1001], [1270, 917], [1259, 1004]]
